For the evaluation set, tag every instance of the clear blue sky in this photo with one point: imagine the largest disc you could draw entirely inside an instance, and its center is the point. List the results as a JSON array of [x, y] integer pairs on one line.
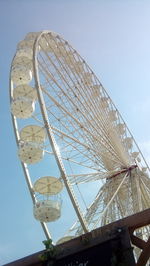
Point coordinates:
[[114, 38]]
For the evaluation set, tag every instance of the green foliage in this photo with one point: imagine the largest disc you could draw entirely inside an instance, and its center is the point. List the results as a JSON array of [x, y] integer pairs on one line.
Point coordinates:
[[49, 253], [85, 240]]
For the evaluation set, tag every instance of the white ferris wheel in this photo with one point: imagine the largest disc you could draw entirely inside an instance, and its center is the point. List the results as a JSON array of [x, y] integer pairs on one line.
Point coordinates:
[[61, 111]]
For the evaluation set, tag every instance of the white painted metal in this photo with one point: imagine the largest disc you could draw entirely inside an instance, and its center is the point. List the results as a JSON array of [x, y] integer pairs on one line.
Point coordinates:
[[26, 43], [30, 153], [47, 210], [86, 133], [121, 128], [48, 185], [25, 91], [135, 154], [21, 74], [25, 52], [22, 107], [33, 133], [52, 139], [22, 61], [24, 166]]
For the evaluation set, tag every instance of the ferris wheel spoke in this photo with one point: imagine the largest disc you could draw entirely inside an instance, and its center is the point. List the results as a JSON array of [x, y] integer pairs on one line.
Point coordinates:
[[100, 207], [93, 212], [67, 159], [40, 121], [83, 178], [76, 129], [107, 138], [82, 151], [145, 192], [145, 198], [111, 200], [80, 124], [146, 181], [81, 164]]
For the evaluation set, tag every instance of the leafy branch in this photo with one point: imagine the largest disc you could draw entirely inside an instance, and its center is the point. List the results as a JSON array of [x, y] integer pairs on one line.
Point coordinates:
[[49, 253]]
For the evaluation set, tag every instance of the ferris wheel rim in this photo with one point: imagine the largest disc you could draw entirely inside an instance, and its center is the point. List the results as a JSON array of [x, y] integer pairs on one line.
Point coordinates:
[[50, 134]]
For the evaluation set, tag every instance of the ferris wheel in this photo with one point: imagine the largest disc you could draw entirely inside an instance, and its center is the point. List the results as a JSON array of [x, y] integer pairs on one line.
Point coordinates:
[[61, 110]]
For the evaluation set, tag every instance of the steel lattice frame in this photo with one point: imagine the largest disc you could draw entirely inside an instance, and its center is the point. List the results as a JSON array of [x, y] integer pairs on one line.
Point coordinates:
[[94, 141]]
